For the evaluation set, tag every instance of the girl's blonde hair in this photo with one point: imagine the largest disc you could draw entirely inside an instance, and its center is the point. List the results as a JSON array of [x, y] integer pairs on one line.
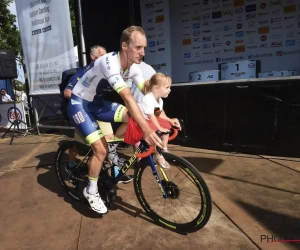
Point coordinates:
[[157, 79]]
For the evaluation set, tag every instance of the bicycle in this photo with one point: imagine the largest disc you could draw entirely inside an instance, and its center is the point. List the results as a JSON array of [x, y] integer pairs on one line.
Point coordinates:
[[177, 199]]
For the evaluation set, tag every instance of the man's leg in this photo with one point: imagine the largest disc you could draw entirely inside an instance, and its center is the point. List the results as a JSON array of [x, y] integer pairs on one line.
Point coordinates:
[[91, 193]]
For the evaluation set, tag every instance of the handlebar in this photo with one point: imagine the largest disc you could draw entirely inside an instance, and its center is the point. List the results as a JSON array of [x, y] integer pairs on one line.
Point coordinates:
[[173, 133]]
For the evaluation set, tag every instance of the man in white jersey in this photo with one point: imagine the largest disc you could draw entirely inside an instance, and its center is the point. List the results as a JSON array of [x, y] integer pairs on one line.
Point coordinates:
[[87, 103]]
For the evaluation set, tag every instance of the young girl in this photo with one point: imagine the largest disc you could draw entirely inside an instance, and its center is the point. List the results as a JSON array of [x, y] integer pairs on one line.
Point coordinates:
[[158, 87]]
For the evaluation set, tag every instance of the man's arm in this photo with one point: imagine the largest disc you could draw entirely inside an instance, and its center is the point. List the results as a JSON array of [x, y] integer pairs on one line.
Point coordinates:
[[135, 111], [67, 93]]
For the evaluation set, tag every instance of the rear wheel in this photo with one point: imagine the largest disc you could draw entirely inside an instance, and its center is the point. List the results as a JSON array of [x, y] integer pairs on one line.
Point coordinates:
[[73, 180], [188, 205]]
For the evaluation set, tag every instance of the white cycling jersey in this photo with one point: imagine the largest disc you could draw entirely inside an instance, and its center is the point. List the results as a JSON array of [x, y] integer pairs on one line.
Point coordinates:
[[104, 75]]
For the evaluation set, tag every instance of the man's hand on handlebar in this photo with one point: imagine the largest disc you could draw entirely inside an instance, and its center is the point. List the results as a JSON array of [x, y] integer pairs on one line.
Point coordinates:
[[152, 138]]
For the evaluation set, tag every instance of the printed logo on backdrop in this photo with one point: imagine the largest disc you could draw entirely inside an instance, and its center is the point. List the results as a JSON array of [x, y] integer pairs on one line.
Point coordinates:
[[226, 13], [217, 45], [239, 26], [160, 42], [11, 115], [290, 26], [206, 39], [225, 5], [250, 16], [228, 43], [196, 33], [290, 34], [160, 10], [289, 9], [150, 20], [276, 11], [263, 45], [239, 18], [152, 44], [149, 5], [263, 22], [160, 19], [216, 15], [195, 18], [276, 20], [239, 10], [238, 3], [289, 17], [276, 36], [151, 28], [263, 38], [263, 30], [227, 28], [290, 42], [239, 49], [239, 33], [196, 25], [251, 8], [249, 32], [217, 7], [276, 3], [186, 41], [262, 6], [276, 44], [205, 17], [187, 55]]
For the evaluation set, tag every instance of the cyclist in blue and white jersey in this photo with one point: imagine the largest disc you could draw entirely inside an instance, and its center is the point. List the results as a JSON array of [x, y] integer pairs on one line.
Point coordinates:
[[87, 103]]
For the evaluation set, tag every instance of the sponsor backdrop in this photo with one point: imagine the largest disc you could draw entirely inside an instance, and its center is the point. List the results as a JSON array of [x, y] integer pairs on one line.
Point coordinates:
[[47, 42], [156, 23], [205, 33]]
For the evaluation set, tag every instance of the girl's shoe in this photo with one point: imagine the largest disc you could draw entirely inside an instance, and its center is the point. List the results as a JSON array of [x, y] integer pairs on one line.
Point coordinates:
[[160, 160]]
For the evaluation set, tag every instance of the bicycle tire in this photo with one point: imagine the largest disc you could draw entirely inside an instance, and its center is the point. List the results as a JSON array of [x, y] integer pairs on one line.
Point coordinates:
[[163, 211], [73, 186]]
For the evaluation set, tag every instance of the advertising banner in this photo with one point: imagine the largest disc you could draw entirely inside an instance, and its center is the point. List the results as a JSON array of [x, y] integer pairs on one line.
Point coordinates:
[[47, 42], [156, 23], [8, 114]]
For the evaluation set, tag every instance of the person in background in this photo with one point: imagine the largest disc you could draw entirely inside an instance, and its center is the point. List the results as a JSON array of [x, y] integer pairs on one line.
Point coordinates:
[[24, 100], [5, 97]]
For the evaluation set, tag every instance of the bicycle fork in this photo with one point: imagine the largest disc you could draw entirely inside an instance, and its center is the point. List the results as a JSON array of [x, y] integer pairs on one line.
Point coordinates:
[[156, 175]]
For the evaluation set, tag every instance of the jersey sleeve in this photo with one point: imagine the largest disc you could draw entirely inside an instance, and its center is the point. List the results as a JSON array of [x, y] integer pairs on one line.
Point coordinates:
[[75, 78], [110, 68], [138, 77]]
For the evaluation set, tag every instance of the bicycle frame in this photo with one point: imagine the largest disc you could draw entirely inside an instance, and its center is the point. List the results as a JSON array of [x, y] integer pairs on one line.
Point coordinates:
[[142, 147]]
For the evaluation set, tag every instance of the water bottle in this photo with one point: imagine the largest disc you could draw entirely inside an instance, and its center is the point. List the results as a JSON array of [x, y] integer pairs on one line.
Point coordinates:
[[116, 171]]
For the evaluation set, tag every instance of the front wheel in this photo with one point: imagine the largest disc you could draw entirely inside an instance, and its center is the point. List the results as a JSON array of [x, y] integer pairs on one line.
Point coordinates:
[[188, 205]]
